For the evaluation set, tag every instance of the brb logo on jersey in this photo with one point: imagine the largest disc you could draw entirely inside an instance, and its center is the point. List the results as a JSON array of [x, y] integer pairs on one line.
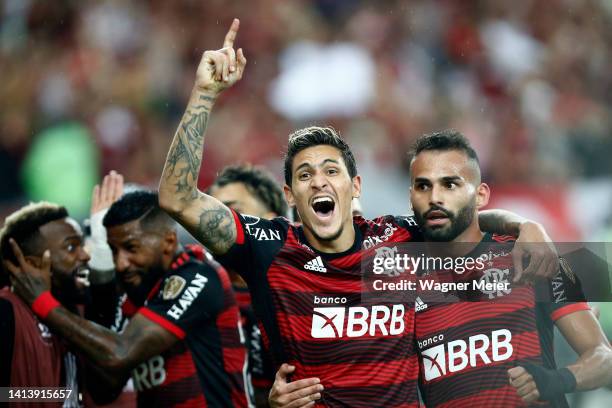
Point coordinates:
[[149, 374], [356, 321], [456, 355]]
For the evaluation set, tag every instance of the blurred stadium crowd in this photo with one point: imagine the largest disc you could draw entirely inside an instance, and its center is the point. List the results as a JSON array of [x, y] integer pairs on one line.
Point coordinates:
[[93, 86]]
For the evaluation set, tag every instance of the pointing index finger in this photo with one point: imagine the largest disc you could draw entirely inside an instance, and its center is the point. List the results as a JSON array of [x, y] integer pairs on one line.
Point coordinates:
[[230, 37]]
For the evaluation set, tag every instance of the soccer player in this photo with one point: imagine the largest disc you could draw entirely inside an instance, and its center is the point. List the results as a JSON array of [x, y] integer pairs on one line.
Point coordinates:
[[251, 190], [476, 351], [493, 347], [181, 301], [30, 354], [305, 280]]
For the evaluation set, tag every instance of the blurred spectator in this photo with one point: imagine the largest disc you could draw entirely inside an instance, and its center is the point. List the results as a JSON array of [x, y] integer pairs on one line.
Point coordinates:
[[528, 82]]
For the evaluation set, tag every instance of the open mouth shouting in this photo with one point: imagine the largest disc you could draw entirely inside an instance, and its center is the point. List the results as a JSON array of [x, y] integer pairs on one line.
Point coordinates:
[[81, 276], [323, 207]]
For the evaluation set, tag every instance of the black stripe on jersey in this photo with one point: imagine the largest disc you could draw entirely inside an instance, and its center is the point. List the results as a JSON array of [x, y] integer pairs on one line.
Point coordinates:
[[521, 321], [463, 384], [393, 395]]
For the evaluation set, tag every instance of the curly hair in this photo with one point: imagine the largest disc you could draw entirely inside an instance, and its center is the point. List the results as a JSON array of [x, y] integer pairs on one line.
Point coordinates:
[[23, 226]]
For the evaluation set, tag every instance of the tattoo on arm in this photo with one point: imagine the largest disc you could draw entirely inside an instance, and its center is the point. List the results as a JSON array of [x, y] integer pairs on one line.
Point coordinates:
[[216, 228], [207, 219], [185, 156]]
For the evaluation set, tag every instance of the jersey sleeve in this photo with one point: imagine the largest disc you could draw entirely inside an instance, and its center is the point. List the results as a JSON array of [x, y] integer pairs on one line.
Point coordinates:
[[565, 291], [257, 242], [191, 294], [408, 222]]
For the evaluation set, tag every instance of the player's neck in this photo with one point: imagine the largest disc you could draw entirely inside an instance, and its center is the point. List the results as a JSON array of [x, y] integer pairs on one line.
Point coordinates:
[[342, 243], [472, 234]]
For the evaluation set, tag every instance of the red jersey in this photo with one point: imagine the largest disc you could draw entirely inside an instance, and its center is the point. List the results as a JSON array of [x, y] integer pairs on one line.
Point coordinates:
[[468, 339], [313, 314]]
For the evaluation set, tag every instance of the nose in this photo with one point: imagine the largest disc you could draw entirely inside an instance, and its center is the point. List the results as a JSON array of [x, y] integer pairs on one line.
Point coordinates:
[[319, 180], [436, 196], [83, 255], [122, 262]]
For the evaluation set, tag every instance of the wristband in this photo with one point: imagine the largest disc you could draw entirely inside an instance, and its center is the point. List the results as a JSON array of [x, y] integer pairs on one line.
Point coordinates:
[[44, 304], [551, 383]]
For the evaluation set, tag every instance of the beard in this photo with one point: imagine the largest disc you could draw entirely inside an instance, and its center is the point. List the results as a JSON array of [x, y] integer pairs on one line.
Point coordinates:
[[138, 294], [65, 289], [458, 223]]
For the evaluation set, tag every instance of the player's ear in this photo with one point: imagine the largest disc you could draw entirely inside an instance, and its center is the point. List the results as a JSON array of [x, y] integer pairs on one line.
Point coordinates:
[[289, 195], [483, 192], [356, 186]]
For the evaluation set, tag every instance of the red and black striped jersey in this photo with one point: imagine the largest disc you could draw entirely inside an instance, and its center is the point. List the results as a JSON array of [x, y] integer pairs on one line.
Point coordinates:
[[468, 339], [207, 368], [260, 364], [314, 314]]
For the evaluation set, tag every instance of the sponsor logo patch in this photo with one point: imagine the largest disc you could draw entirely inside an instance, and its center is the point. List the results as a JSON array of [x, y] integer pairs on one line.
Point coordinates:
[[419, 305], [315, 265], [457, 355], [173, 287], [357, 321]]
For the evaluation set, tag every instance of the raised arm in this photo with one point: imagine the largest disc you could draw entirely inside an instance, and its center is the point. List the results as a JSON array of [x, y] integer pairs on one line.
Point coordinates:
[[205, 217]]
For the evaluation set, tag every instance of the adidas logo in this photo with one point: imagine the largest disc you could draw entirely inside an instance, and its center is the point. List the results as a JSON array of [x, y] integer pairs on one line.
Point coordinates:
[[315, 265], [419, 305]]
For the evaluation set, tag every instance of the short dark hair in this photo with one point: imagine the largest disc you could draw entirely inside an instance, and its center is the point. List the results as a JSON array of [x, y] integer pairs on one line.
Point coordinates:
[[444, 140], [258, 181], [139, 205], [313, 136], [24, 227]]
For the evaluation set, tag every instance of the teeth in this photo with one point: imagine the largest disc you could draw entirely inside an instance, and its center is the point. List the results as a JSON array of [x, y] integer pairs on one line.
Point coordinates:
[[322, 199], [83, 277]]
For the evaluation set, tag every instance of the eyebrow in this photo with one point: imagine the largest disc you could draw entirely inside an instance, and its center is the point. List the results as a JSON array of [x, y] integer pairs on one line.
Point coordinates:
[[71, 237], [230, 203], [322, 163], [446, 178], [452, 178]]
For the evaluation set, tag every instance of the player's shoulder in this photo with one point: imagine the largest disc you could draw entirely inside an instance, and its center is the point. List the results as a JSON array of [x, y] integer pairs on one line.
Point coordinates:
[[262, 229], [404, 222], [192, 265]]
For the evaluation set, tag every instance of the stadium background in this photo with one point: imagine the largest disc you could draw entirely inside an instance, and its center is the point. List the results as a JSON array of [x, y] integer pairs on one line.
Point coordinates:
[[87, 87]]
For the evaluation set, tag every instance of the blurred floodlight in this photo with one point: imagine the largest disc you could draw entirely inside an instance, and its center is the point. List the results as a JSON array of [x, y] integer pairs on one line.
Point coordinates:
[[318, 81]]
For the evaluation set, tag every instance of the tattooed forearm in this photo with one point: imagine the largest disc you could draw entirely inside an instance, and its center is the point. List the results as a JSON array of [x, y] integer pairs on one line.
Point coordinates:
[[206, 218], [185, 155]]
